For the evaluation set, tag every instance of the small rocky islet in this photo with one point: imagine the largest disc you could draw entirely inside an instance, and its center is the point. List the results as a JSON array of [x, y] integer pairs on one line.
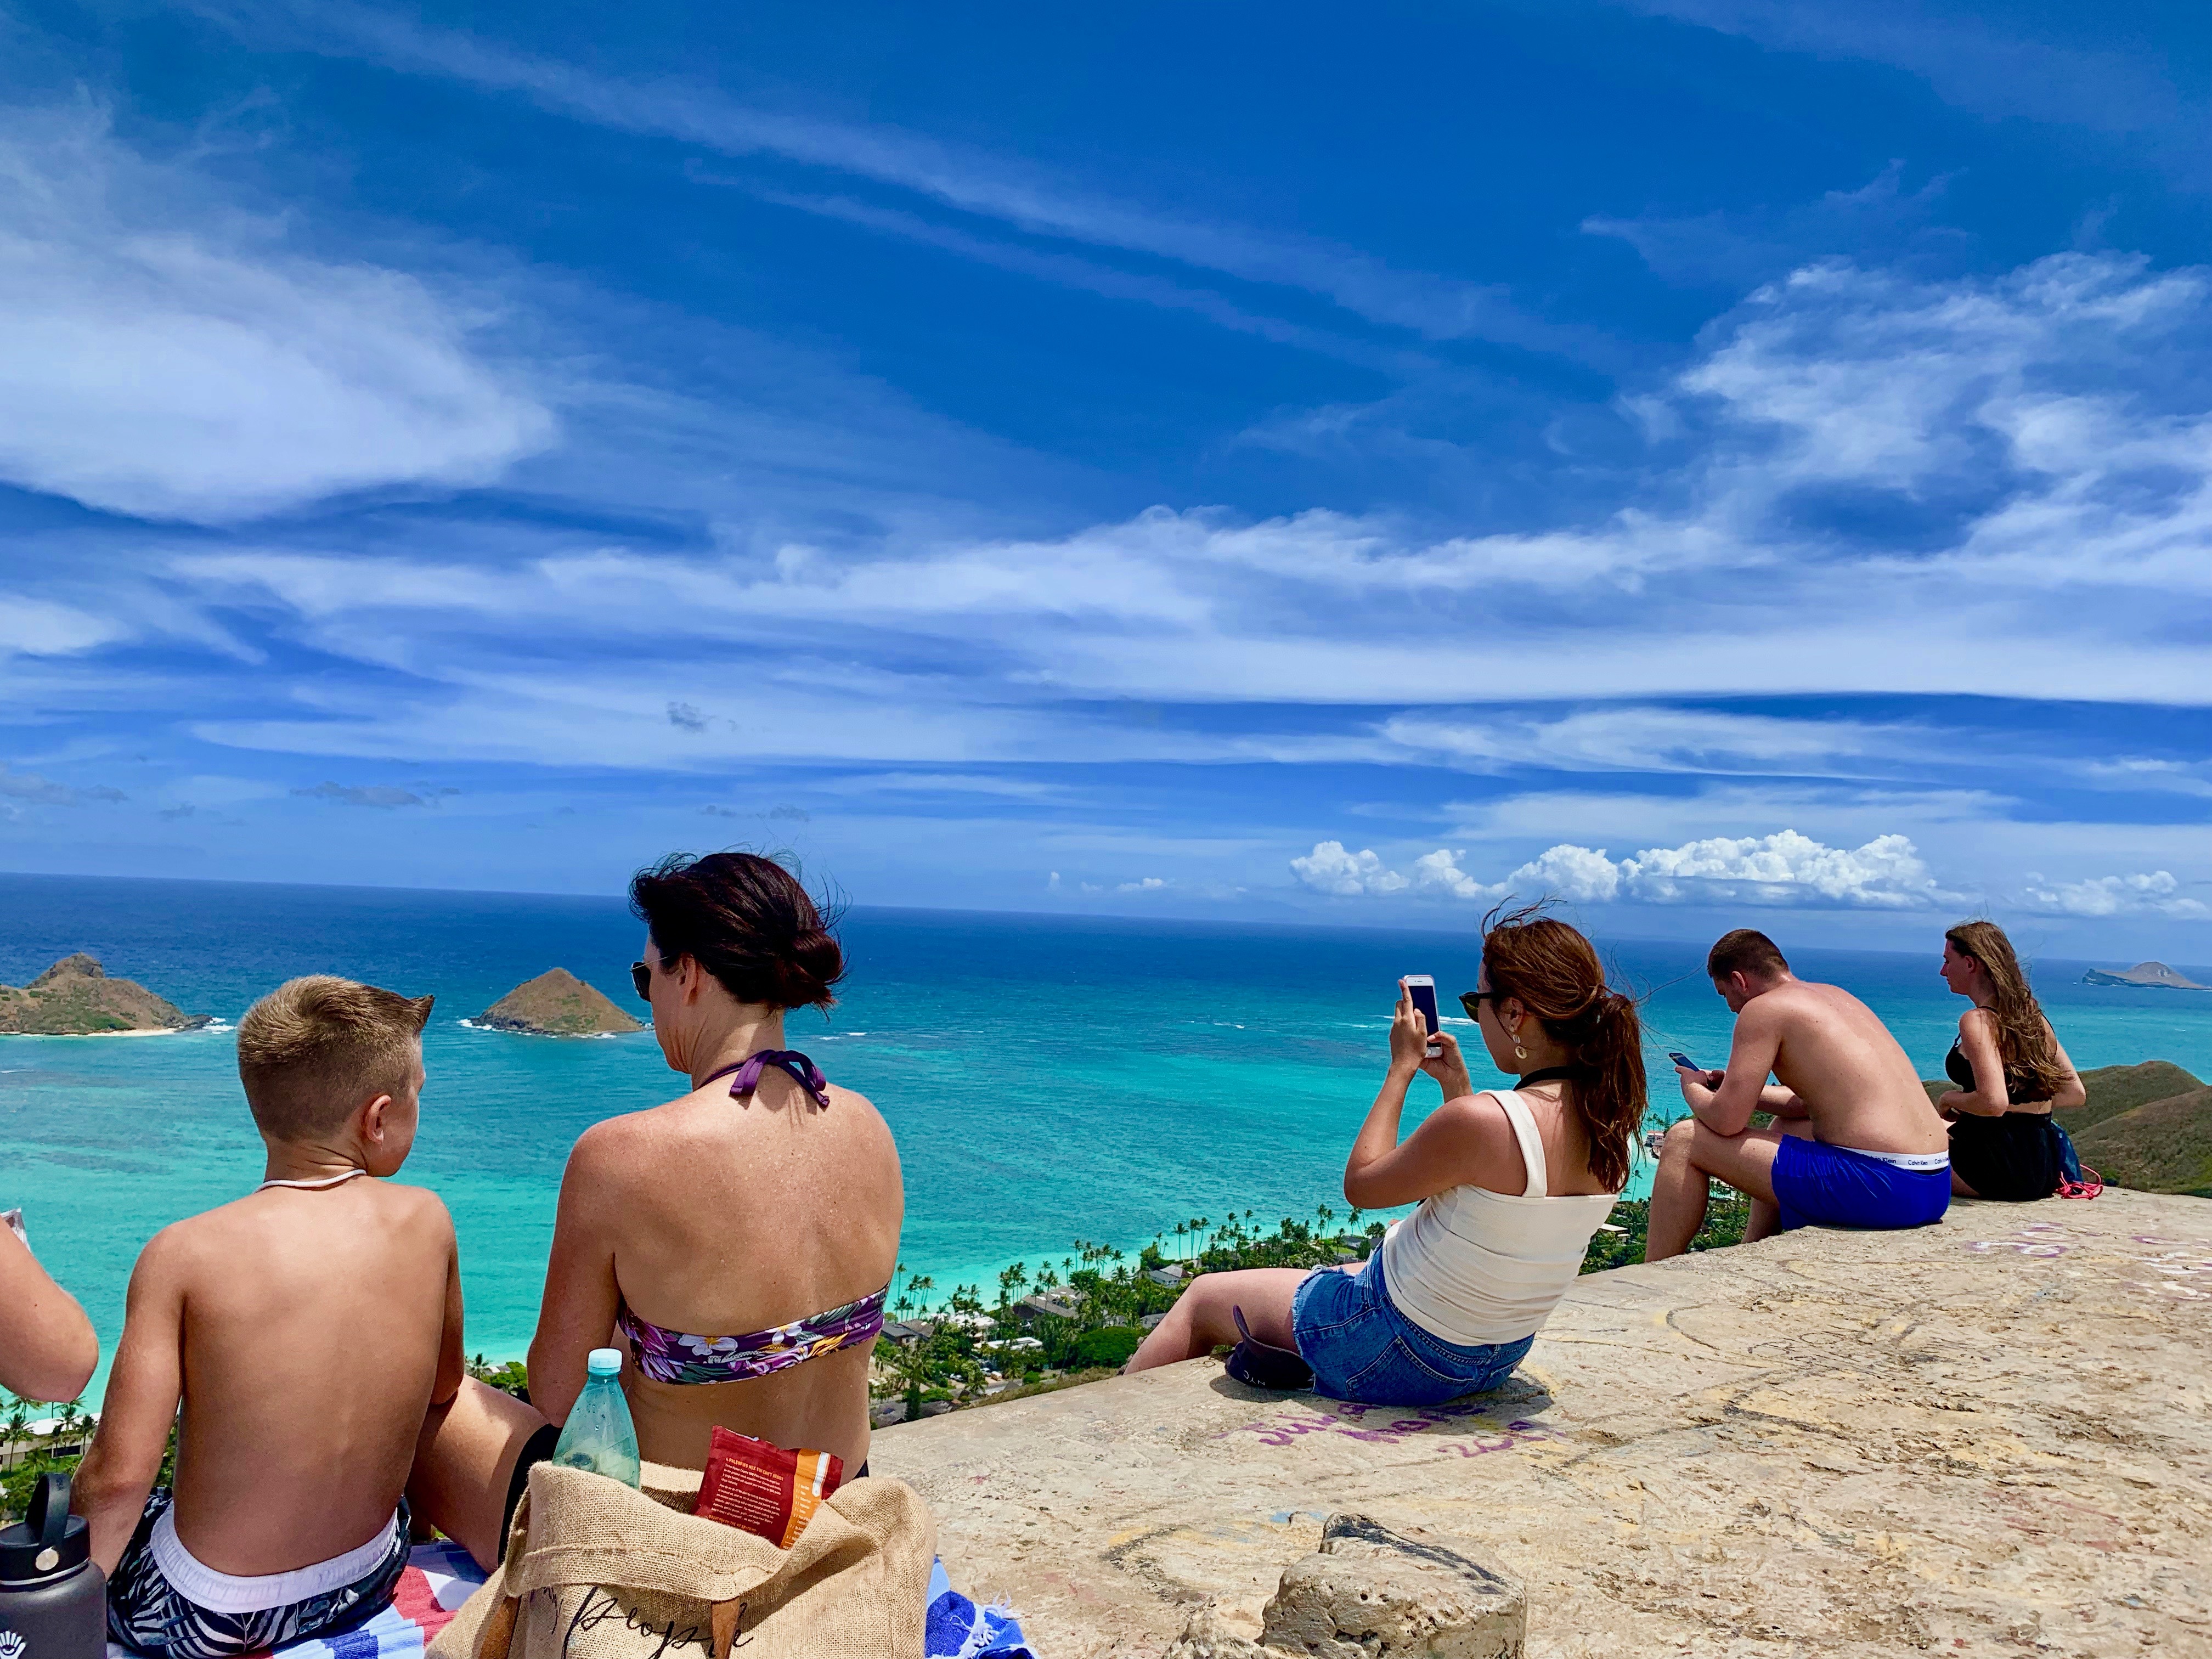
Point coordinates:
[[75, 997], [557, 1004], [2143, 976]]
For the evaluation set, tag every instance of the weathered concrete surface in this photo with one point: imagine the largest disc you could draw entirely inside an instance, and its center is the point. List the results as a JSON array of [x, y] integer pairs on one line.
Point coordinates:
[[1988, 1437]]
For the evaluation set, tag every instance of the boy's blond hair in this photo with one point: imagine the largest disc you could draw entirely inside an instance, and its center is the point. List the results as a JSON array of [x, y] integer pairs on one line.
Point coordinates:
[[314, 1048]]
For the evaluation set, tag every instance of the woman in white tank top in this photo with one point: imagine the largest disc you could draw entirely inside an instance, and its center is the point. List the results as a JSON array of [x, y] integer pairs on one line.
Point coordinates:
[[1510, 1184]]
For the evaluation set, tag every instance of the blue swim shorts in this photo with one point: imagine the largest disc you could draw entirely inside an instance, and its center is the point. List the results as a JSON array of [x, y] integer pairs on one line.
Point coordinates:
[[1822, 1186], [1362, 1348]]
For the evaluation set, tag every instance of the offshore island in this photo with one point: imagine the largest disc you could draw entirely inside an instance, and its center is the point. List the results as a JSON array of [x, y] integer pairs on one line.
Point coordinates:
[[77, 998], [557, 1004], [2143, 976]]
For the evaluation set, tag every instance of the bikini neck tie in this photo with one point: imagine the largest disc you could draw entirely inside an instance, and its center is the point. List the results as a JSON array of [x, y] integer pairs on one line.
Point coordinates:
[[1553, 1074], [793, 1064]]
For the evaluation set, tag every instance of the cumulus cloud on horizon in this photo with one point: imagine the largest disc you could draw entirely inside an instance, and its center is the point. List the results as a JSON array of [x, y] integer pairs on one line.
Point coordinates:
[[1785, 868], [2150, 893]]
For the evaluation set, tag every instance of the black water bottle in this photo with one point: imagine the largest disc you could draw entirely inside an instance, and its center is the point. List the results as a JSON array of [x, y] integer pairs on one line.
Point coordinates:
[[53, 1601]]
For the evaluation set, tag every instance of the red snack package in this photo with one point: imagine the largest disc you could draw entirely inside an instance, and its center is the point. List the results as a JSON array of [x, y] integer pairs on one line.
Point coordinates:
[[762, 1488]]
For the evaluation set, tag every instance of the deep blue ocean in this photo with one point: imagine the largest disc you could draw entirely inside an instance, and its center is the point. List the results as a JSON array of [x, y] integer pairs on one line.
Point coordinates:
[[1050, 1079]]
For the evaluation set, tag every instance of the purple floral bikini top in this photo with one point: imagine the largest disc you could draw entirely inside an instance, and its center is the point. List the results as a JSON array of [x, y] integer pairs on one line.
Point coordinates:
[[677, 1357]]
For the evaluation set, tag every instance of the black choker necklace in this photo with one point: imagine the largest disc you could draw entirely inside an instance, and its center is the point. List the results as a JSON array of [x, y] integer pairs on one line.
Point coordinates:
[[1553, 1074]]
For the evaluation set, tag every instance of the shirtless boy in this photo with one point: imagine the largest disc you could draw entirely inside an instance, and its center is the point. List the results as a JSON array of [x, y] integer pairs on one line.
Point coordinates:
[[1855, 1142], [307, 1327]]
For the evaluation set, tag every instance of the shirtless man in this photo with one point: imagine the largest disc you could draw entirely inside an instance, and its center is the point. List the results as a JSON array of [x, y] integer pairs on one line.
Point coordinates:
[[308, 1328], [1855, 1142]]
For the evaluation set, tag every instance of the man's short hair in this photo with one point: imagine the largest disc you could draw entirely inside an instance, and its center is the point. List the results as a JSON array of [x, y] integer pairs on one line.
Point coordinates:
[[1747, 951], [314, 1048]]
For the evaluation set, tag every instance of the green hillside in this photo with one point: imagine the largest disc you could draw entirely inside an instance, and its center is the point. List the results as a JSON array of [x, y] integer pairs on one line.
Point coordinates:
[[2161, 1146], [2117, 1089]]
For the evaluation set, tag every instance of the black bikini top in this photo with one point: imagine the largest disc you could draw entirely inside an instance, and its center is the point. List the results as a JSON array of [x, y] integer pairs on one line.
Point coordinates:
[[1961, 1070]]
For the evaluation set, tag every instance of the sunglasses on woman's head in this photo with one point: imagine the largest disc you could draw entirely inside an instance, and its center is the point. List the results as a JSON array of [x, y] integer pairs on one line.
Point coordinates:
[[1473, 1001], [641, 974]]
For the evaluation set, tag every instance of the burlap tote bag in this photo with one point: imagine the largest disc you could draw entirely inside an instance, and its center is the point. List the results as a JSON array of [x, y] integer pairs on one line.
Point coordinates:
[[595, 1571]]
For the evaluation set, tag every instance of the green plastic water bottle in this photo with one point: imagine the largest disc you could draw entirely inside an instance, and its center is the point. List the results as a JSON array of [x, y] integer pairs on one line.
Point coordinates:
[[599, 1435]]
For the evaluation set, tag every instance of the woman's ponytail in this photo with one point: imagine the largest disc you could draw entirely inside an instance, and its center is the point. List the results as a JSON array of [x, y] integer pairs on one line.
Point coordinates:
[[1555, 973], [1612, 1104]]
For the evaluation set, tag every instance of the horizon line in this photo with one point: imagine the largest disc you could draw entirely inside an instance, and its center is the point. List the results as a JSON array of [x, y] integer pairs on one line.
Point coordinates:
[[1224, 923]]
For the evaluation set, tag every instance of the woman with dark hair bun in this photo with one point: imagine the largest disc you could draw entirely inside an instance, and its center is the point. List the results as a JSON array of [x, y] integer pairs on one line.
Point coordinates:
[[1510, 1183], [739, 1240], [2009, 1071]]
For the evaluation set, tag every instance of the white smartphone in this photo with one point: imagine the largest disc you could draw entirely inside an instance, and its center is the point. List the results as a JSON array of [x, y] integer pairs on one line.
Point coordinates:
[[1423, 988]]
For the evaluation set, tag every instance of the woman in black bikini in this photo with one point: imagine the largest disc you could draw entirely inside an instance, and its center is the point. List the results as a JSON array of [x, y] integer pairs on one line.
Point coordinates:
[[2009, 1070]]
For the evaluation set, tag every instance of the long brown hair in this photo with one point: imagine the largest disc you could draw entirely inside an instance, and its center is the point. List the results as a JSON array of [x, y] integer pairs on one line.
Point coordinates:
[[2024, 1040], [1555, 973]]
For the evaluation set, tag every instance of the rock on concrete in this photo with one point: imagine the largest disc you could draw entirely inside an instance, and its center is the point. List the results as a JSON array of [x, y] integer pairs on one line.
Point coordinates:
[[1371, 1593], [1989, 1436]]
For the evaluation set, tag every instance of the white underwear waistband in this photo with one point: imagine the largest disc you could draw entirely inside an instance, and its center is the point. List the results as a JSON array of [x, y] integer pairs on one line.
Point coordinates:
[[1903, 1160], [224, 1592]]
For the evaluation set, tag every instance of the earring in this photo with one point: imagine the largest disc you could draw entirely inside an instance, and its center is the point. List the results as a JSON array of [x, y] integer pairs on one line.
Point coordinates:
[[1519, 1052]]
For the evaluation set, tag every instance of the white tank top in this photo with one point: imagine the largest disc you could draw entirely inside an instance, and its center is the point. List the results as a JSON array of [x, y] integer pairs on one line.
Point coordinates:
[[1472, 1267]]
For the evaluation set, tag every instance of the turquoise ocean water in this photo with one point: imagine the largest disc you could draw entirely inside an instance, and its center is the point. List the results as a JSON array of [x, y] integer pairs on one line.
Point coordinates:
[[1049, 1078]]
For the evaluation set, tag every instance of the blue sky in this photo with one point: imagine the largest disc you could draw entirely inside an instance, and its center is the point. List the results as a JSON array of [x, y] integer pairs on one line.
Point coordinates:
[[1709, 459]]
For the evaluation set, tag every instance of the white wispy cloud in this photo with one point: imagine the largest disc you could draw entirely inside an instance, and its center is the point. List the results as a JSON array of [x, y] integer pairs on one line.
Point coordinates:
[[165, 354], [43, 629], [2035, 429], [31, 788], [1992, 70], [382, 796], [1093, 278], [1784, 868], [1648, 739], [1744, 248], [942, 783], [960, 177], [2155, 892]]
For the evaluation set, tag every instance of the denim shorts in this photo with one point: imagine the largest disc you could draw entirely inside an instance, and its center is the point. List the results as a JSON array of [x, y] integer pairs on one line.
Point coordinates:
[[1363, 1348]]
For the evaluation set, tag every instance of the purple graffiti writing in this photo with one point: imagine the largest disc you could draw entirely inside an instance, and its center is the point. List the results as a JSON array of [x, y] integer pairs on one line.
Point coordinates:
[[1288, 1429]]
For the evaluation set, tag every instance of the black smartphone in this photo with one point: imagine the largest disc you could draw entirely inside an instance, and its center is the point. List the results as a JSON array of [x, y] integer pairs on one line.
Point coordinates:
[[1684, 1061], [1423, 988]]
